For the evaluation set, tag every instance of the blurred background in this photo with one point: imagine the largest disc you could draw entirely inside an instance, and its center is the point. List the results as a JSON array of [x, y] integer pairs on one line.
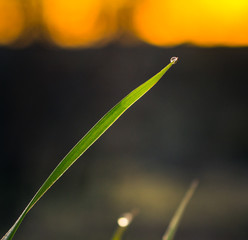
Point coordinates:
[[64, 64]]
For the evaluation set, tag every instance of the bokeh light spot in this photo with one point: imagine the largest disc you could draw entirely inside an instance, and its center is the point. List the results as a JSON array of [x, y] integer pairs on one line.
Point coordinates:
[[205, 22], [75, 22], [11, 21]]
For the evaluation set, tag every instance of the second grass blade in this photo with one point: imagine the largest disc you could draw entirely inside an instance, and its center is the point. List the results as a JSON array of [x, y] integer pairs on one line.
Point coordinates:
[[95, 132], [172, 228]]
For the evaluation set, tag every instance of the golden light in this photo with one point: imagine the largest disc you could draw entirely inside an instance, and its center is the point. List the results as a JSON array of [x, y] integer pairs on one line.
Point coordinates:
[[83, 23], [75, 22], [205, 22], [11, 21]]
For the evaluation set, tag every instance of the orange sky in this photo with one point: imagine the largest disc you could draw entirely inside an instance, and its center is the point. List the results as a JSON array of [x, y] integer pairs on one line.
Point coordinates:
[[82, 23]]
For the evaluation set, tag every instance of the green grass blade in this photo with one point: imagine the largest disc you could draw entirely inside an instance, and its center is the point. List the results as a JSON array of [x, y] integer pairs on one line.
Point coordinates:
[[95, 132], [172, 228], [123, 223]]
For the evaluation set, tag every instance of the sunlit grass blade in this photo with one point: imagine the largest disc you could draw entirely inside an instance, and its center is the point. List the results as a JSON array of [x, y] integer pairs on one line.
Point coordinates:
[[95, 132], [172, 228], [123, 223]]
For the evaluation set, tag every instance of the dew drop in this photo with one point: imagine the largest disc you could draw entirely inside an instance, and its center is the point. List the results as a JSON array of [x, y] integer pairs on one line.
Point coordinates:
[[125, 219], [174, 60]]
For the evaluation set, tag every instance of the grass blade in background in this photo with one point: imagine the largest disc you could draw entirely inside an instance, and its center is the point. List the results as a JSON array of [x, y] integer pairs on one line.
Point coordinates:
[[95, 132], [123, 223], [171, 230]]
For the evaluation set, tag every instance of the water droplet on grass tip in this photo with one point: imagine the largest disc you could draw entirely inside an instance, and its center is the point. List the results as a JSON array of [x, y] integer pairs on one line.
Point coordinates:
[[125, 220], [174, 60]]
